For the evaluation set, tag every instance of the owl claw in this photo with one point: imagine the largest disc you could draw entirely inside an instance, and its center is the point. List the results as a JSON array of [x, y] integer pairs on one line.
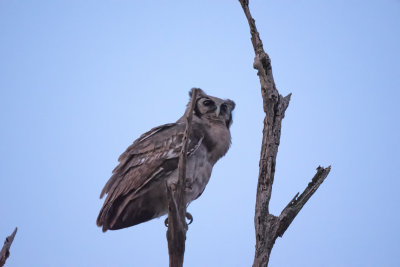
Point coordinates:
[[188, 216]]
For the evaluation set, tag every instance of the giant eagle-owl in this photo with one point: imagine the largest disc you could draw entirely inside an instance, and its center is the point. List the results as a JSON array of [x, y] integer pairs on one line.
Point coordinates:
[[136, 191]]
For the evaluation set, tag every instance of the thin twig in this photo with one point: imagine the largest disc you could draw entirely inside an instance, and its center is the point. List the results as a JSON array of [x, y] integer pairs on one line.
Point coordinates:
[[267, 226], [5, 251], [177, 226], [293, 208]]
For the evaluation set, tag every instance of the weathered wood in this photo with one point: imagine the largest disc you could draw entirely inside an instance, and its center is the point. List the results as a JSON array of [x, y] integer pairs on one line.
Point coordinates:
[[177, 226], [5, 251], [296, 204], [267, 226]]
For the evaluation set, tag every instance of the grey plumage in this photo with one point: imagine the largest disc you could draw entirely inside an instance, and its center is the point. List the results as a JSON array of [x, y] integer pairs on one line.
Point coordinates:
[[136, 191]]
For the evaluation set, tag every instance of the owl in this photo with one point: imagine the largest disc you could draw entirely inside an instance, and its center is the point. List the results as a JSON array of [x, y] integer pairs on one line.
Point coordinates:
[[136, 191]]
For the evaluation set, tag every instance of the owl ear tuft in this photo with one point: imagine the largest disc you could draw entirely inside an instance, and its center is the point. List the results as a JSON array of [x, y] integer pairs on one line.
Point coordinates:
[[200, 92], [231, 104]]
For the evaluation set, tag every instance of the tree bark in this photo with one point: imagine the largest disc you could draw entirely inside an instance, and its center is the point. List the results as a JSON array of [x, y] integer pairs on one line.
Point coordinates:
[[177, 226], [5, 251], [267, 226]]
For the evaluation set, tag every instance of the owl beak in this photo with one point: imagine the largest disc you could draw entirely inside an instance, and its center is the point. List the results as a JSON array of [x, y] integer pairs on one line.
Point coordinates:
[[218, 111]]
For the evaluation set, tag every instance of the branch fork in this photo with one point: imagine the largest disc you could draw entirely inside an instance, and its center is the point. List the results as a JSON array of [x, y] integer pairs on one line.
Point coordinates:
[[268, 226]]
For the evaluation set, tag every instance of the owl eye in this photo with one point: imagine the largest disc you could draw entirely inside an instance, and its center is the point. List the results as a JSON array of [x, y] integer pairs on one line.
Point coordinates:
[[224, 108], [208, 103]]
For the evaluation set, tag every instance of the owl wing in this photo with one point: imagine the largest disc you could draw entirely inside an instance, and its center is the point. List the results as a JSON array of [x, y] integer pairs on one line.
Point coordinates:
[[153, 154]]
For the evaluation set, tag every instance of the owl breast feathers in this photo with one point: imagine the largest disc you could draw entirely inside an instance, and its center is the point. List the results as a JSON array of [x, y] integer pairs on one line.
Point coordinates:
[[136, 191]]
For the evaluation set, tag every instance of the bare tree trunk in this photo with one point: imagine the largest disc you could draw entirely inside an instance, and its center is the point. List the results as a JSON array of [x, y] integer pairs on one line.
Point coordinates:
[[177, 226], [267, 226], [5, 251]]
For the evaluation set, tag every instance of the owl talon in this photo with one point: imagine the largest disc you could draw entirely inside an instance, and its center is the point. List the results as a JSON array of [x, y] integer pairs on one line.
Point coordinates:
[[189, 217]]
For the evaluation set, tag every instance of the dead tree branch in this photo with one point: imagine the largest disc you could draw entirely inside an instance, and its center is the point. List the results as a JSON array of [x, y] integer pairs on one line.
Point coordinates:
[[267, 226], [5, 251], [177, 226]]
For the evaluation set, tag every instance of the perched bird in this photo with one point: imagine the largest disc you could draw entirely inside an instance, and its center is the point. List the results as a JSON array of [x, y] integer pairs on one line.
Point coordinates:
[[136, 191]]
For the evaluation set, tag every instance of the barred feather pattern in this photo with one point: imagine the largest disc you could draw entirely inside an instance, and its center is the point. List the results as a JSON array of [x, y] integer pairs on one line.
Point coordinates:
[[143, 162], [136, 191]]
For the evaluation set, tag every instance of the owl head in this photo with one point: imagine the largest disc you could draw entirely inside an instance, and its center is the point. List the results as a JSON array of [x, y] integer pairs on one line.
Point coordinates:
[[213, 109]]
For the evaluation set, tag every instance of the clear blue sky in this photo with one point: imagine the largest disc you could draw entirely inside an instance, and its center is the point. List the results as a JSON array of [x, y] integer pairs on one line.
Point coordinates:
[[81, 80]]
